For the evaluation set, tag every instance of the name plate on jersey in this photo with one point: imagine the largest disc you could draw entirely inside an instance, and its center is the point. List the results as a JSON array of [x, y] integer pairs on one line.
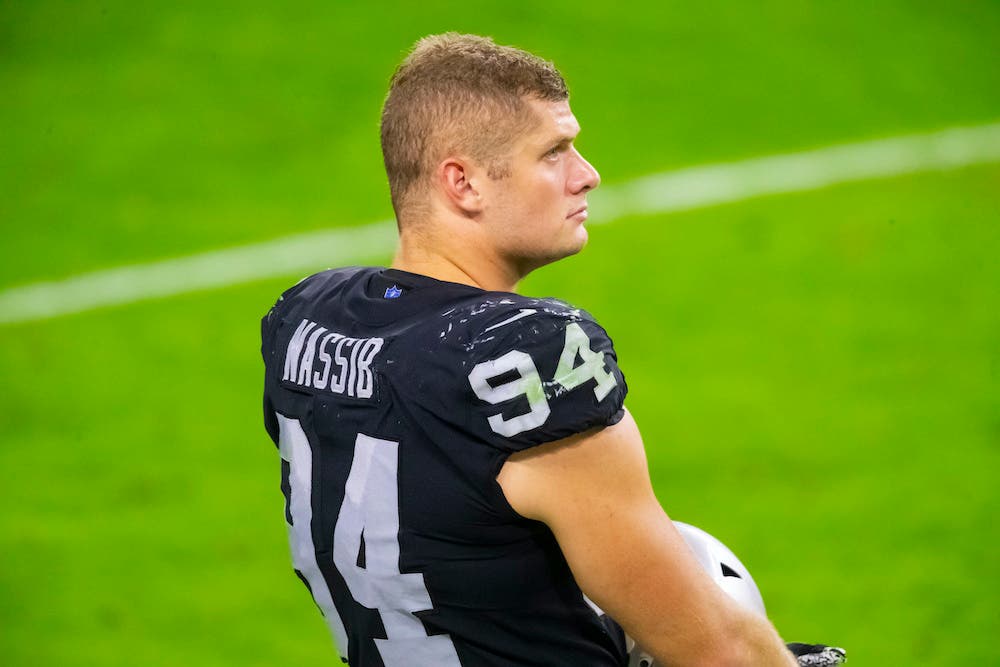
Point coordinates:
[[323, 360]]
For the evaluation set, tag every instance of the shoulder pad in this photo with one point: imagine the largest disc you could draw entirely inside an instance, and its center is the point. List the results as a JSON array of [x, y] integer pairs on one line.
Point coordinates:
[[539, 370]]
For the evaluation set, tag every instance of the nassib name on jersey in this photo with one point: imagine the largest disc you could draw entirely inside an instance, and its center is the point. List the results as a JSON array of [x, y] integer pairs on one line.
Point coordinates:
[[321, 359]]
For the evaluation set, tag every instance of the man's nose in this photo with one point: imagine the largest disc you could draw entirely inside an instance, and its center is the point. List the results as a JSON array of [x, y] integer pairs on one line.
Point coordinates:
[[585, 177]]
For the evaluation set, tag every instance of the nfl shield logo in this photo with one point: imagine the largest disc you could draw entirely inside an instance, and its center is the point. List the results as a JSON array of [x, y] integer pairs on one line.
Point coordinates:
[[392, 292]]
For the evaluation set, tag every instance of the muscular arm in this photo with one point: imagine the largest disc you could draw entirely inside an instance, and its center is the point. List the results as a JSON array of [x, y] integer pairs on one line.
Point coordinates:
[[594, 493]]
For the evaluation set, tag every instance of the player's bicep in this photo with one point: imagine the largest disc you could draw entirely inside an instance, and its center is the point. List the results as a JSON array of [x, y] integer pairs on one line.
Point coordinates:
[[539, 481], [593, 492]]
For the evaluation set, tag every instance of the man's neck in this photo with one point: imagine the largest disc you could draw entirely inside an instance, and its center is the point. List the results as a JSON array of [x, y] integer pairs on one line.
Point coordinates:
[[446, 273], [466, 270]]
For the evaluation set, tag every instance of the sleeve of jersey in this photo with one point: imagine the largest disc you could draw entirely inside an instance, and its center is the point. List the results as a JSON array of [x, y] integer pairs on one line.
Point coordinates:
[[542, 378]]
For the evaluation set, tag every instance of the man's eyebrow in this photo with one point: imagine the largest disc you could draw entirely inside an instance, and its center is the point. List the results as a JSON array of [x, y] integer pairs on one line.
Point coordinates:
[[561, 140]]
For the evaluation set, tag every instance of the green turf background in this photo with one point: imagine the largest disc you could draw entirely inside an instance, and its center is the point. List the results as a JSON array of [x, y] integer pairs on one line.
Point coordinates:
[[817, 376]]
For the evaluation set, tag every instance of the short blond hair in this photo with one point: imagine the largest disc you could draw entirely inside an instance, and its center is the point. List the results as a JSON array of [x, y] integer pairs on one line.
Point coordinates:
[[460, 94]]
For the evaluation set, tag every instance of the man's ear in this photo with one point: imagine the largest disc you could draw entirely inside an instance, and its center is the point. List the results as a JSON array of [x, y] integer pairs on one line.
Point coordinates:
[[459, 180]]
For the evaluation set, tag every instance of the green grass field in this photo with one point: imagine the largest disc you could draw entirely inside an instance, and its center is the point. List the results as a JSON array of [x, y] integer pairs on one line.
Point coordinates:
[[817, 375]]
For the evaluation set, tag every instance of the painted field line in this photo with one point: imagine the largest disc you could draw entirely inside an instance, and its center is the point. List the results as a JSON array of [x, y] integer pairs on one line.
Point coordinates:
[[709, 185], [680, 190]]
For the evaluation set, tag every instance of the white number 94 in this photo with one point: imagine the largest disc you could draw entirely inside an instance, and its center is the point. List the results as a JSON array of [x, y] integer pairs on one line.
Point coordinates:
[[529, 384]]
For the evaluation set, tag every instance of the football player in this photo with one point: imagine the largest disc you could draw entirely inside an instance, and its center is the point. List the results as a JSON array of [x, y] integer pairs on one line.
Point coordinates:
[[457, 462]]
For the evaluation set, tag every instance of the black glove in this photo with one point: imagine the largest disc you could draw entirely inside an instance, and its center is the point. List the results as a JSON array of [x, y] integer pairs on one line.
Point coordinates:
[[817, 655]]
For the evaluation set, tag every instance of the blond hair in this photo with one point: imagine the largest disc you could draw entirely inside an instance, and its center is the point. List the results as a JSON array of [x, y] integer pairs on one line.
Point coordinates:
[[459, 94]]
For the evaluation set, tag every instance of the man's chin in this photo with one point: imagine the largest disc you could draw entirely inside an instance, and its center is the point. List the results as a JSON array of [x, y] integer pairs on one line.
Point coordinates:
[[530, 264], [574, 245], [580, 241]]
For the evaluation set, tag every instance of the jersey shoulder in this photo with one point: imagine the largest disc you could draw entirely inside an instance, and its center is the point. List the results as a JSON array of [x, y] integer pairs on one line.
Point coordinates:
[[307, 289], [482, 322], [534, 369], [307, 293]]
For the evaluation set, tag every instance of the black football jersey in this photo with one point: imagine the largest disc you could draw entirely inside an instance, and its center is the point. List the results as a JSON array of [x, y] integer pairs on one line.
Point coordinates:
[[394, 400]]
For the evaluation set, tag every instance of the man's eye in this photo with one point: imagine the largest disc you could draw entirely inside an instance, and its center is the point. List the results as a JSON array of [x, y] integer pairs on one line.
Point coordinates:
[[553, 152]]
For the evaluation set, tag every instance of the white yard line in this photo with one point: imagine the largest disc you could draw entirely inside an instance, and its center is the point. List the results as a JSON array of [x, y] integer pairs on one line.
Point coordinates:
[[680, 190], [709, 185]]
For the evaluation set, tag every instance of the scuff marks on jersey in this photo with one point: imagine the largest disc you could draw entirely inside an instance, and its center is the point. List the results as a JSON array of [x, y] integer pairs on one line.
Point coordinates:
[[484, 320], [469, 347], [524, 312]]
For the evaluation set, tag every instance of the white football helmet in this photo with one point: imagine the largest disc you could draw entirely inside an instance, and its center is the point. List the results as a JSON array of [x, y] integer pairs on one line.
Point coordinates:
[[724, 568]]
